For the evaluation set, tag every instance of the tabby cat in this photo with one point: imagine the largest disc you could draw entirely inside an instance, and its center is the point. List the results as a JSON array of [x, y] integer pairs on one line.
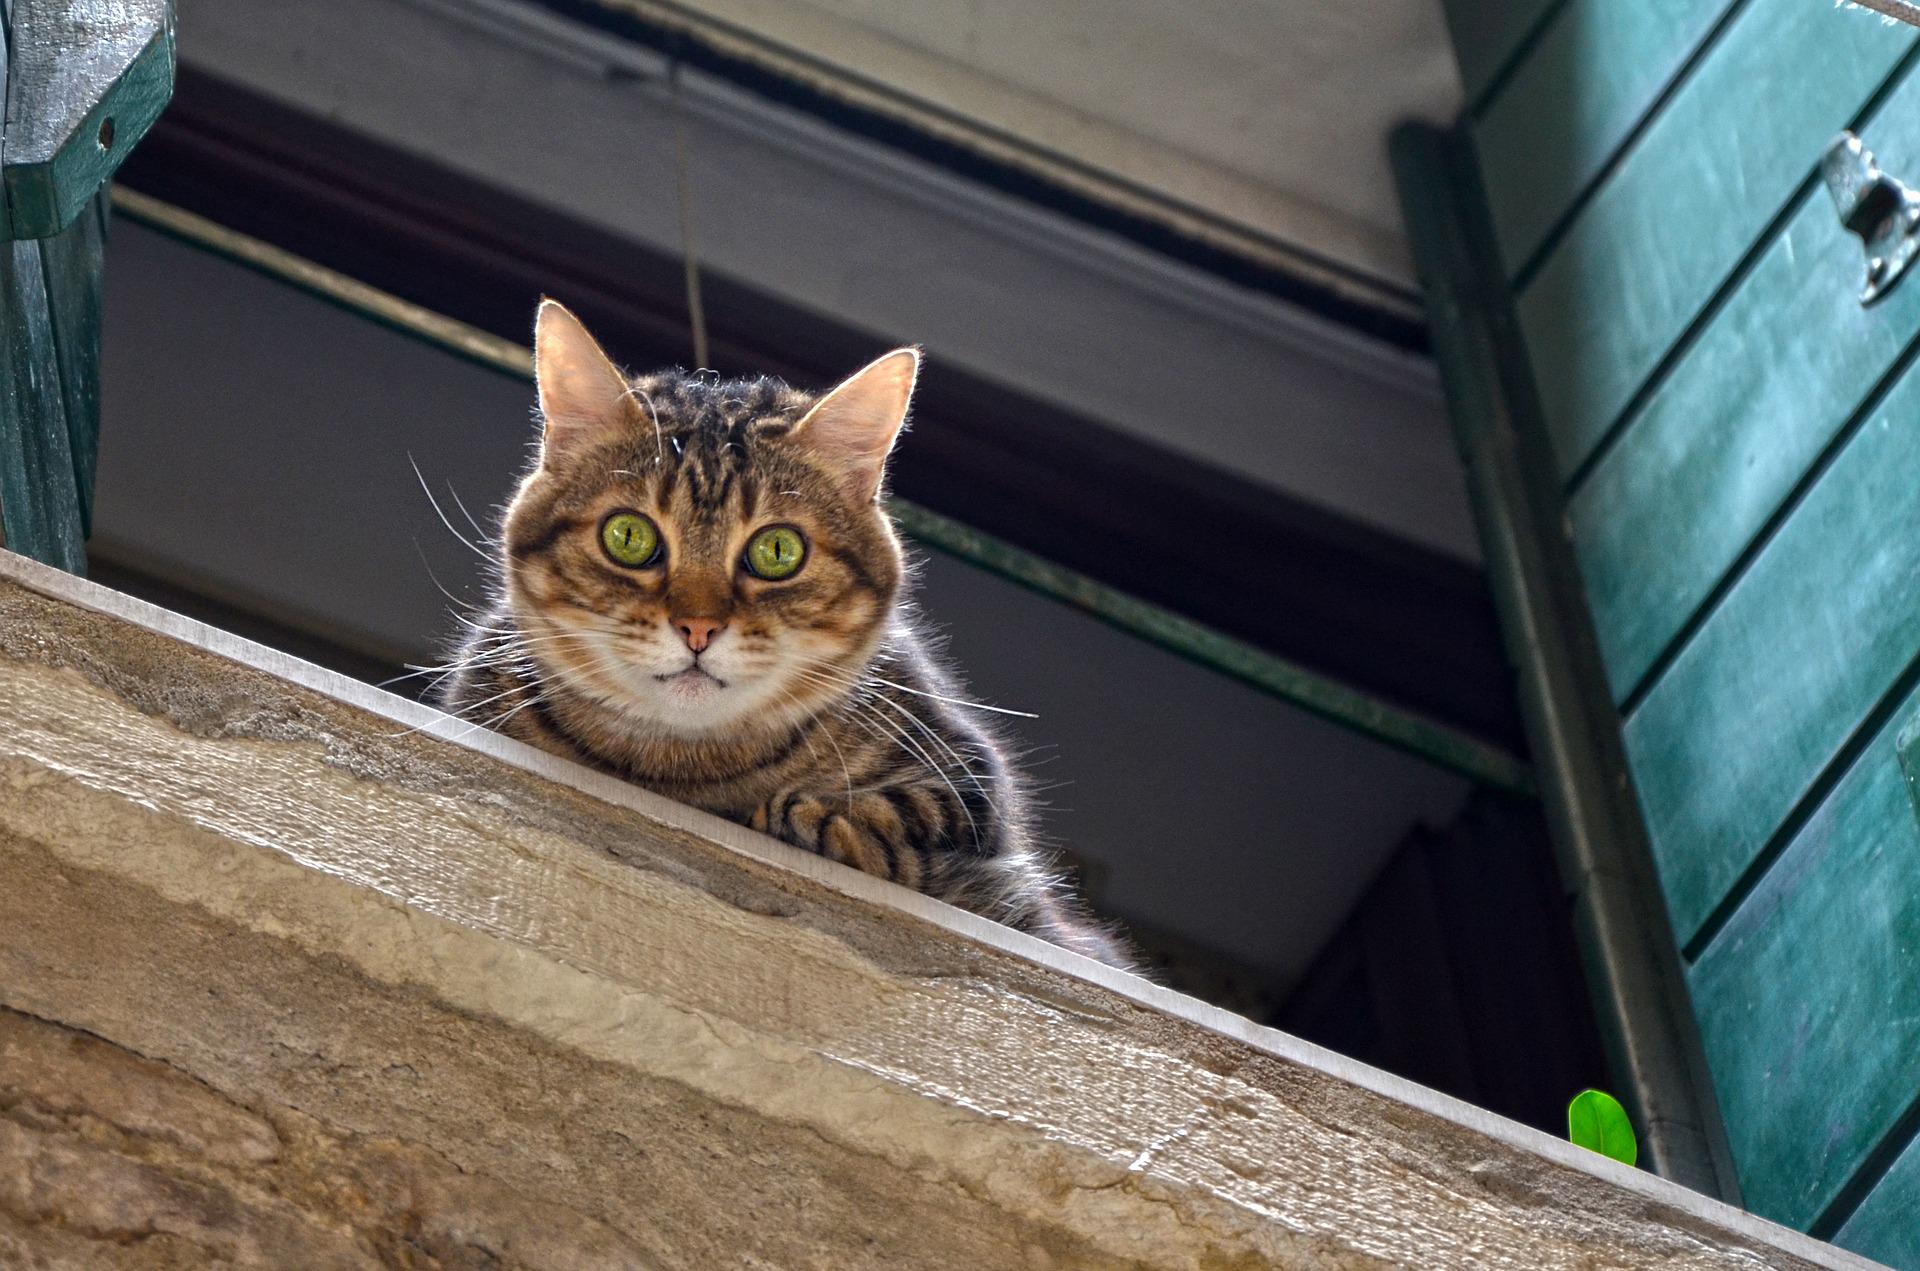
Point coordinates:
[[700, 592]]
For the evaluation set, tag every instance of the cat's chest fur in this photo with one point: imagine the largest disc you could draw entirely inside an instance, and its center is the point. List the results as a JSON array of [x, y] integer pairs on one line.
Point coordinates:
[[896, 728], [726, 776]]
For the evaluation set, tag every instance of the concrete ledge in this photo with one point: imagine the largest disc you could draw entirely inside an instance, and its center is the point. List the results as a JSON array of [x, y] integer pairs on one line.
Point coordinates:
[[289, 964]]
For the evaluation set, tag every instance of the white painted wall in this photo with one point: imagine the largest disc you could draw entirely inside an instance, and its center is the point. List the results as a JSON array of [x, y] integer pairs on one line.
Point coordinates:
[[1272, 113]]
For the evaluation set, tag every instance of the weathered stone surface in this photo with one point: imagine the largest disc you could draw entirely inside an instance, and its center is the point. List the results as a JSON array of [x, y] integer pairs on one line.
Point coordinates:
[[106, 1154], [286, 970]]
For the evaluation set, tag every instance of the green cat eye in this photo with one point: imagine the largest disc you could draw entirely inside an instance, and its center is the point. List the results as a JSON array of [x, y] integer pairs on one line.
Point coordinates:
[[630, 539], [776, 552]]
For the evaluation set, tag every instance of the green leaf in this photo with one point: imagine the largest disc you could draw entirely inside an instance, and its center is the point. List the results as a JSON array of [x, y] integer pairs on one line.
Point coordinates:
[[1597, 1122]]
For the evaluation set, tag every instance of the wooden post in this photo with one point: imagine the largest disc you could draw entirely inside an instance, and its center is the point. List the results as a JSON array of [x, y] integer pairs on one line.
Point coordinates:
[[82, 80]]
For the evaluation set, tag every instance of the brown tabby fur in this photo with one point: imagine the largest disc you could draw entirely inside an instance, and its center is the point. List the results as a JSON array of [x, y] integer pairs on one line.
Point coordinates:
[[817, 713]]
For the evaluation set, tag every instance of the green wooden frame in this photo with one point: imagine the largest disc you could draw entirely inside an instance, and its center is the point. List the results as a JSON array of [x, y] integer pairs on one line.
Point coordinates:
[[82, 83], [1632, 962], [85, 81]]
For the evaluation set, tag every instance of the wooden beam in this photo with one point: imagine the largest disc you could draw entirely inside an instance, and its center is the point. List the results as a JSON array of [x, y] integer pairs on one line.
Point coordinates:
[[1904, 10], [285, 958]]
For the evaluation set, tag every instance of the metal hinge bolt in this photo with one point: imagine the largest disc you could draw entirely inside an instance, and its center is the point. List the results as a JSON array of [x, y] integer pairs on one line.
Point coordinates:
[[1882, 212]]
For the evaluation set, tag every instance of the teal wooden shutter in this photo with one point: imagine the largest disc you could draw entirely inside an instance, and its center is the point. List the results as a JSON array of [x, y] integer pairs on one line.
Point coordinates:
[[82, 84], [1668, 389]]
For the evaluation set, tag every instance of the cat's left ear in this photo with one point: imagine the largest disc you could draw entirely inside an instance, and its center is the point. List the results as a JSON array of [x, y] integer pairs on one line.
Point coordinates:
[[855, 425], [582, 393]]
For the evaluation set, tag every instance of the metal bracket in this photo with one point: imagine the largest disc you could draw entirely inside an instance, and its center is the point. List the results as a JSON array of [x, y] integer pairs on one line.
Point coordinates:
[[1882, 212]]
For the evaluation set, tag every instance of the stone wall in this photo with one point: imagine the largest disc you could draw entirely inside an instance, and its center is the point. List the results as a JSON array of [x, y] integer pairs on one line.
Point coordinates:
[[295, 973], [111, 1159]]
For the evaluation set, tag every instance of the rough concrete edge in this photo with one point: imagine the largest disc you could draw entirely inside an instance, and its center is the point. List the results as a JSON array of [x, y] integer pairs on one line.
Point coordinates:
[[57, 585]]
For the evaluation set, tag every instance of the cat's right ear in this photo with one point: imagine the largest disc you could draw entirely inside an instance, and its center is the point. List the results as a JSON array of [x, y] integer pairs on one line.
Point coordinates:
[[582, 393]]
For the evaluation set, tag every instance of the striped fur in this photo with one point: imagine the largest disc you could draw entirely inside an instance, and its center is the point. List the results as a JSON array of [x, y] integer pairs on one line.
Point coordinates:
[[817, 713]]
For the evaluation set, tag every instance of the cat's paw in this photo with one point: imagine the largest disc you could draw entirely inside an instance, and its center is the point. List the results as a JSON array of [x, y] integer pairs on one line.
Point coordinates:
[[792, 817], [864, 832]]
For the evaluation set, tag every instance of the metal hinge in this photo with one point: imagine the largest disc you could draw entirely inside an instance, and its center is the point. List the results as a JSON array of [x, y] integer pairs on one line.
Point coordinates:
[[1882, 212]]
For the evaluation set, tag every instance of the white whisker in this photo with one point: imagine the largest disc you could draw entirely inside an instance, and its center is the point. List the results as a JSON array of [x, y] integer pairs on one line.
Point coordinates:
[[471, 546], [461, 504]]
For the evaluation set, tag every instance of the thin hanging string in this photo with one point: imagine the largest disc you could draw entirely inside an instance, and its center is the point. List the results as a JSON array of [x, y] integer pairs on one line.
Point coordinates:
[[696, 308]]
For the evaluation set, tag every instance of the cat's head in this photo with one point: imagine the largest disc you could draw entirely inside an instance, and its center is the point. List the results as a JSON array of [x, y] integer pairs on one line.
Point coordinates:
[[698, 554]]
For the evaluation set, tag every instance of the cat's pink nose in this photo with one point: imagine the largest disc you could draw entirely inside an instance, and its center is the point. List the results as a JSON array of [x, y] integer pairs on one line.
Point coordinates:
[[699, 631]]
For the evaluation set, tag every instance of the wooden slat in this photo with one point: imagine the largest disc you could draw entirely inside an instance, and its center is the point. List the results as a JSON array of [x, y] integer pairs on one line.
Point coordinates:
[[1595, 73], [1487, 33], [74, 266], [86, 82], [1667, 227], [1884, 1228], [1719, 445], [1809, 998], [38, 498], [1786, 668]]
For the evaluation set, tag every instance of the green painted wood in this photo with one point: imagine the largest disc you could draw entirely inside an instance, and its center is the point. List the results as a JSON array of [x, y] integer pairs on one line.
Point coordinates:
[[74, 263], [6, 57], [87, 79], [1724, 439], [1885, 1227], [1786, 668], [39, 503], [1487, 34], [1634, 967], [1809, 997], [1666, 228], [1595, 73]]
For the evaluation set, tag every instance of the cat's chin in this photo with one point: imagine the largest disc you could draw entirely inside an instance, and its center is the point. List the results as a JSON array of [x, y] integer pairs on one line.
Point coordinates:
[[694, 683], [694, 703], [690, 708], [693, 694]]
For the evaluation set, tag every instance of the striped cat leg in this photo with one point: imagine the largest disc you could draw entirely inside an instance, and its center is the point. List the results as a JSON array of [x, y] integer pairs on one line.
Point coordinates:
[[900, 834], [866, 831]]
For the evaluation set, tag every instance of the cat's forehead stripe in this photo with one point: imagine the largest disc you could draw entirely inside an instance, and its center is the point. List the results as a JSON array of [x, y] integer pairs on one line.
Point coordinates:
[[711, 426]]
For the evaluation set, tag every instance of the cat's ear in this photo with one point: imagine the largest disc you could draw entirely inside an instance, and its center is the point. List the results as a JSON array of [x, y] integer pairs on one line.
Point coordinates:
[[582, 393], [855, 425]]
